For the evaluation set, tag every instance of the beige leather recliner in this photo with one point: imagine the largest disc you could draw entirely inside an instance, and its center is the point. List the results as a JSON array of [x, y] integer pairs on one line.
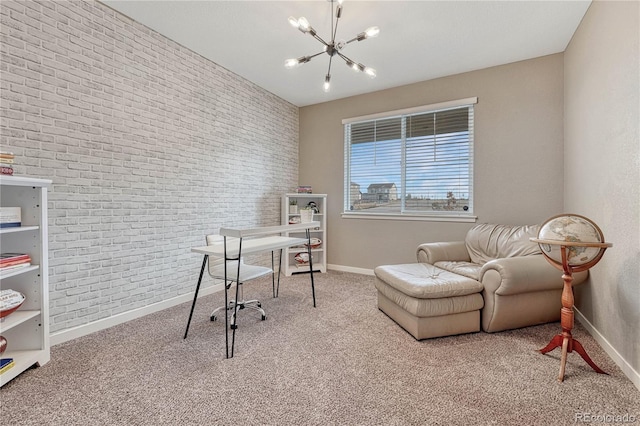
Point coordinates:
[[520, 287]]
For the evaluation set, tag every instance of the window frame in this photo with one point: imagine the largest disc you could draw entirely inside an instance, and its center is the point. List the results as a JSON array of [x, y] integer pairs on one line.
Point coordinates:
[[408, 215]]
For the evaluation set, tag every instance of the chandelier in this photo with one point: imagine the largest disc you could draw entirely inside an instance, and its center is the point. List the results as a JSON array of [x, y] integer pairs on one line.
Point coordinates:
[[333, 47]]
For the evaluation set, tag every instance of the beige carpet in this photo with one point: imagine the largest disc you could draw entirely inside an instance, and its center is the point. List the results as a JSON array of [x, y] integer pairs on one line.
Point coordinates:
[[343, 362]]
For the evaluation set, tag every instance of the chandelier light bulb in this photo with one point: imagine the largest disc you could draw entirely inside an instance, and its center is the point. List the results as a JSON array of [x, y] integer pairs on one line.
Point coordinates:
[[291, 63], [303, 24], [293, 21], [372, 31], [370, 72], [355, 67], [327, 83]]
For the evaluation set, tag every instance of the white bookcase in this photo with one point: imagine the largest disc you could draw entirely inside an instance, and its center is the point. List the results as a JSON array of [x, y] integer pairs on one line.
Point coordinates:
[[289, 264], [27, 329]]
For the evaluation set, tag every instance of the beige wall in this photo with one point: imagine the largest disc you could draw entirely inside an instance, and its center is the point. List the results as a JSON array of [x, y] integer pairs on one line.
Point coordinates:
[[518, 156], [602, 165]]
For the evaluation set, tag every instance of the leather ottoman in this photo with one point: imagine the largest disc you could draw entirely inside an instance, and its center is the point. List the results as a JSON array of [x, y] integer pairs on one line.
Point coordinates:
[[428, 301]]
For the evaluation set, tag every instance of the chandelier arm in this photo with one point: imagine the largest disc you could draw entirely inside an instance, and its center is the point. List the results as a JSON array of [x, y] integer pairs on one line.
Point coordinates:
[[346, 59], [317, 37], [315, 54], [335, 29], [352, 40]]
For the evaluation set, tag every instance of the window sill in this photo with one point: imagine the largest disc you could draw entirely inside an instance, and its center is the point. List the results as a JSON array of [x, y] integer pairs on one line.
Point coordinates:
[[407, 216]]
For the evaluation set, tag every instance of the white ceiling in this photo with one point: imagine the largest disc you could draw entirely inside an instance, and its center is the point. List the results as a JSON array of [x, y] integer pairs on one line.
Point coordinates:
[[419, 40]]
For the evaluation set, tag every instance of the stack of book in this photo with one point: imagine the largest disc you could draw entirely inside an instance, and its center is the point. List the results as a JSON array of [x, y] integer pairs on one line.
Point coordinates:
[[5, 364], [10, 217], [6, 163], [14, 260], [304, 189]]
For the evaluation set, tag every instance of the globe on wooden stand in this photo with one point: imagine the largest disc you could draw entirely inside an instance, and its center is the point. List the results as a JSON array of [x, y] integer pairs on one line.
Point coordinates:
[[571, 243]]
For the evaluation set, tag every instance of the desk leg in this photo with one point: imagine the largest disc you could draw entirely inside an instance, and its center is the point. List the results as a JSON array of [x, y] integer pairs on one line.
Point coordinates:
[[235, 310], [195, 296], [273, 274], [279, 272], [313, 289]]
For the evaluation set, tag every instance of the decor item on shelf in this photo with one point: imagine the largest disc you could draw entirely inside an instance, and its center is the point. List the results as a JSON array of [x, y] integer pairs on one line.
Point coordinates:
[[571, 243], [302, 258], [3, 344], [10, 300], [293, 207], [332, 47], [313, 206], [306, 214], [315, 242], [293, 220]]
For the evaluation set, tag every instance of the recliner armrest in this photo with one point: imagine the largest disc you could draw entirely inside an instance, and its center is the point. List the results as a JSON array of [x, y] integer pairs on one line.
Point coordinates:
[[436, 252], [523, 274]]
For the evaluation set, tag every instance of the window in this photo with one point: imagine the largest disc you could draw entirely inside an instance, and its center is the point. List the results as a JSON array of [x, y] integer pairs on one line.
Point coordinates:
[[414, 162]]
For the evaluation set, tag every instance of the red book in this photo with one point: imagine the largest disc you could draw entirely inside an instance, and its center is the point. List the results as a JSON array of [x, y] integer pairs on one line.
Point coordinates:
[[12, 257], [15, 263]]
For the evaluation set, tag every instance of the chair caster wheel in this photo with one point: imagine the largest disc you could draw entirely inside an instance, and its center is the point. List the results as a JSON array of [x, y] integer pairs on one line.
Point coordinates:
[[213, 318], [264, 317], [233, 326], [259, 305]]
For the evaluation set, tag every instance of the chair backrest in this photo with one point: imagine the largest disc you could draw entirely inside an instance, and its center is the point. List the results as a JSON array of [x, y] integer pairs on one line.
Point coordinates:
[[216, 262], [486, 242]]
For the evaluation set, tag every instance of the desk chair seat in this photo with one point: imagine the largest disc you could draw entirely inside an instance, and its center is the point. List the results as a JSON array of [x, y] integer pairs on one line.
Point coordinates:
[[247, 272]]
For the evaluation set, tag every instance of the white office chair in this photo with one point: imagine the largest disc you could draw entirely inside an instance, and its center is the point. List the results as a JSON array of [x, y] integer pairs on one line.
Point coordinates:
[[247, 272]]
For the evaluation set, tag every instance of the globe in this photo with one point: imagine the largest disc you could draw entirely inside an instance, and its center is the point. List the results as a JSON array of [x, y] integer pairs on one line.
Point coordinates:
[[570, 228]]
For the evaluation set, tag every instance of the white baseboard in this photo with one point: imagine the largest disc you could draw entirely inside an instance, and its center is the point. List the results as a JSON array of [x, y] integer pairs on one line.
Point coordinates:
[[85, 329], [626, 368], [341, 268]]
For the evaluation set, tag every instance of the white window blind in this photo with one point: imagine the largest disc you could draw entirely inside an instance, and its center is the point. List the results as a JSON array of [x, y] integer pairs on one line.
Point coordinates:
[[413, 162]]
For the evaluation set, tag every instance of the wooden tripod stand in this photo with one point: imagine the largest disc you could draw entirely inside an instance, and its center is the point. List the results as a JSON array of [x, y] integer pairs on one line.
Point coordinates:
[[565, 340]]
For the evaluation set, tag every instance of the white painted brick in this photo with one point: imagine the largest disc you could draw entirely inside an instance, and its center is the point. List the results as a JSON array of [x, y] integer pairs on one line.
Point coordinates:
[[149, 146]]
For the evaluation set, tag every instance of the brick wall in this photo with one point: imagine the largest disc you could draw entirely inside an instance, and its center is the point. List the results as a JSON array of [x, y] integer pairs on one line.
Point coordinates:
[[149, 147]]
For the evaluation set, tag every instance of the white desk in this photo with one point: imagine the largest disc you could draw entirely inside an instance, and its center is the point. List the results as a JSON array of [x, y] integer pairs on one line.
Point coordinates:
[[238, 242], [249, 246]]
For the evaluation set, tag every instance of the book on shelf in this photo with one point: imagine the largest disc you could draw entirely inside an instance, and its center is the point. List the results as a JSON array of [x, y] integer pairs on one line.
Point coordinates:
[[12, 257], [10, 217], [304, 189], [6, 163], [15, 266], [5, 364]]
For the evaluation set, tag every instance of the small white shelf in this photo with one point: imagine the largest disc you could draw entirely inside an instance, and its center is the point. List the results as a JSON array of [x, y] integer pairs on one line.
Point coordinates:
[[17, 271], [18, 229], [289, 264], [23, 359], [27, 329], [14, 319]]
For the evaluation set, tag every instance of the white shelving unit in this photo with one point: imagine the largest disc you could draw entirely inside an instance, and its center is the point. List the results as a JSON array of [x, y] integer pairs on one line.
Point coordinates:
[[289, 264], [27, 329]]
